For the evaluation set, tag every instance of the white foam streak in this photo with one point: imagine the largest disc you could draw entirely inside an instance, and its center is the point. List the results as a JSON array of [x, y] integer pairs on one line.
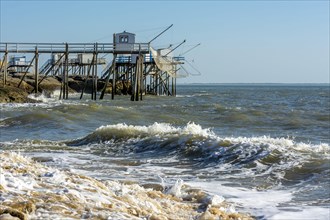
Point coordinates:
[[257, 202], [308, 213]]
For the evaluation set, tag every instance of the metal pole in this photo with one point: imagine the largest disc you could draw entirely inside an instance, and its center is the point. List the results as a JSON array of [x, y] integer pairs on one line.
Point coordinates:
[[175, 47], [189, 50], [160, 33]]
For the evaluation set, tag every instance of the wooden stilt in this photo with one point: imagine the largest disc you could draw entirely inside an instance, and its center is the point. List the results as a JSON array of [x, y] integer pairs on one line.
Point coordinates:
[[48, 71], [62, 84], [5, 66], [134, 80], [141, 77], [114, 73], [93, 79], [36, 74], [95, 72], [86, 80], [174, 86], [108, 76], [66, 71]]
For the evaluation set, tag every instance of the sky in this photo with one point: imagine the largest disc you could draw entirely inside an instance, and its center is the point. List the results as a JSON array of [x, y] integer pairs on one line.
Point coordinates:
[[241, 41]]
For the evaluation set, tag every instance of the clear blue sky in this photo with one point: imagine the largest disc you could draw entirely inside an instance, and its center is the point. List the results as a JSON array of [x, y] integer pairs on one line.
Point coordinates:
[[241, 41]]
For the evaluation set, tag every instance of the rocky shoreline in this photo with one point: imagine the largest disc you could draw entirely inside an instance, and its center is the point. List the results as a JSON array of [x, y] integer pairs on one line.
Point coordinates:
[[11, 93]]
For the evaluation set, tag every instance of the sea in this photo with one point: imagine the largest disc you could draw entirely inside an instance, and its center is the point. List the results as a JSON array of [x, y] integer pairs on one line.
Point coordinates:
[[262, 148]]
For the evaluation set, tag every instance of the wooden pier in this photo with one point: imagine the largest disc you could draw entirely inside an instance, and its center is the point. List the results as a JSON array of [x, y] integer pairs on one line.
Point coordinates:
[[131, 62]]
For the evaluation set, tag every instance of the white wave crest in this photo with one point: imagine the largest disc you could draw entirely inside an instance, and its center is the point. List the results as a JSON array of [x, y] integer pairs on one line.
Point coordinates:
[[161, 129], [281, 144]]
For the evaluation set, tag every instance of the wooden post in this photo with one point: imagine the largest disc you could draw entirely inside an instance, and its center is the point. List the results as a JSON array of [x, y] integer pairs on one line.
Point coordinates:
[[86, 80], [114, 73], [62, 83], [168, 84], [134, 79], [108, 76], [113, 90], [66, 71], [95, 72], [141, 77], [93, 84], [137, 80], [5, 66], [36, 76], [156, 82], [174, 86], [160, 83]]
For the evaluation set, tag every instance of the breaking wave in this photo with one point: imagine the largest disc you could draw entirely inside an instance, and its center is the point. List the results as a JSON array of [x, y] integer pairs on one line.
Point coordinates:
[[202, 148]]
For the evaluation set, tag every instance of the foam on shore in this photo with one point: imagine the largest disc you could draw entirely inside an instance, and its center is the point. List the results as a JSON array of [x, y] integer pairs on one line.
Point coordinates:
[[30, 190]]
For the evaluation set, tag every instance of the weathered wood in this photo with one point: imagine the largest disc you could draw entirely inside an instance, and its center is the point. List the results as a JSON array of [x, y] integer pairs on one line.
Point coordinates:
[[108, 76], [114, 73], [141, 77], [5, 65], [136, 74], [36, 76], [86, 80], [135, 80], [95, 74], [113, 90], [66, 71], [93, 84]]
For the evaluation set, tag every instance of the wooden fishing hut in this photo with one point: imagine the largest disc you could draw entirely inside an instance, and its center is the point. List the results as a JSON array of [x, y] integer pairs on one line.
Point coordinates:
[[138, 66]]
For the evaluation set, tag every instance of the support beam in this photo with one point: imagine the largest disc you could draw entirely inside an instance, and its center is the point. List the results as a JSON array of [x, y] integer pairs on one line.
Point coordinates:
[[26, 71], [86, 80], [5, 66], [50, 69], [36, 73], [114, 70], [94, 75], [108, 76], [66, 71]]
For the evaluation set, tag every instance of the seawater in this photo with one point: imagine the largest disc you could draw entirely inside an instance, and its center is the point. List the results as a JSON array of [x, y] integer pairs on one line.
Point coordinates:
[[263, 148]]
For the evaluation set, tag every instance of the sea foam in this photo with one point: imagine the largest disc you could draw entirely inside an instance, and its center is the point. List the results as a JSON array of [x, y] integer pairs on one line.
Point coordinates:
[[34, 191]]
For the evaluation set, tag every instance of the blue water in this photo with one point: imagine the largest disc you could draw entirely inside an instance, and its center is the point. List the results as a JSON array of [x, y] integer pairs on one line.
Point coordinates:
[[265, 148]]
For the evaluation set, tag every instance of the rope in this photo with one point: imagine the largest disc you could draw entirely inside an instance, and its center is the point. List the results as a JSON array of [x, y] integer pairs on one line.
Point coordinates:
[[199, 73]]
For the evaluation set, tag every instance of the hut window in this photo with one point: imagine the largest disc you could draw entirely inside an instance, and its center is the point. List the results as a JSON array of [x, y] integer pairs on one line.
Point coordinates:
[[123, 39]]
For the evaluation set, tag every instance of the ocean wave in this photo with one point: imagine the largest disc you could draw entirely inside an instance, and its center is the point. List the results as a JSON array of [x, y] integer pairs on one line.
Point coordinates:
[[269, 161], [201, 148], [194, 132], [125, 132]]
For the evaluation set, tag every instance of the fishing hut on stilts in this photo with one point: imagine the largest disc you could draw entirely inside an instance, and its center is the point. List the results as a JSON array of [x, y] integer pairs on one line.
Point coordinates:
[[136, 69]]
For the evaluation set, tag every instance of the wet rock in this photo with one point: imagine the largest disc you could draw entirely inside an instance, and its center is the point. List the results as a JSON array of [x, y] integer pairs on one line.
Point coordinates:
[[11, 214], [7, 216]]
